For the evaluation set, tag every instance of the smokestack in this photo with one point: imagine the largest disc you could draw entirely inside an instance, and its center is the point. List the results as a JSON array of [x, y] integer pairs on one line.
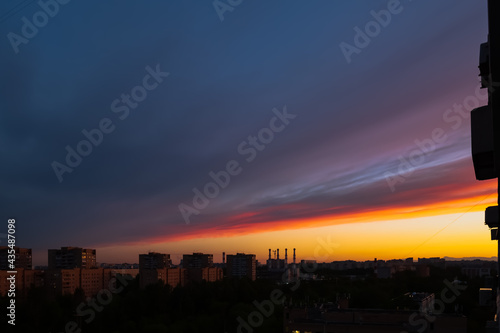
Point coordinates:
[[286, 255], [223, 257], [294, 255], [278, 254], [269, 254]]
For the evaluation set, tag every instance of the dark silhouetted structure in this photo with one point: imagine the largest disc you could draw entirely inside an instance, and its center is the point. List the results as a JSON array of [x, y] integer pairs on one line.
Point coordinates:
[[485, 122], [242, 265], [72, 257], [154, 260], [23, 258], [197, 260]]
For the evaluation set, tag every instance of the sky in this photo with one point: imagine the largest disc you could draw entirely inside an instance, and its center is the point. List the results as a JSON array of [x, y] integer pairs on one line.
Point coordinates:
[[339, 128]]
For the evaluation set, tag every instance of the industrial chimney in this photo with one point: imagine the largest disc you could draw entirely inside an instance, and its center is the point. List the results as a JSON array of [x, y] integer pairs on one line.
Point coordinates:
[[269, 254], [278, 254], [286, 256], [223, 257], [294, 255]]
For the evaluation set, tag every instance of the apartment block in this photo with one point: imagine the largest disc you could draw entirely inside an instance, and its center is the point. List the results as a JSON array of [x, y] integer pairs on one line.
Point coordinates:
[[154, 260], [23, 258], [211, 274], [172, 276], [25, 279], [71, 257], [91, 280], [242, 265], [197, 260], [116, 276], [62, 281]]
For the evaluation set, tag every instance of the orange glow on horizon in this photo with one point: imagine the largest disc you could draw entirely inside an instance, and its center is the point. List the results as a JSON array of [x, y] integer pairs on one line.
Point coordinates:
[[452, 228], [473, 203]]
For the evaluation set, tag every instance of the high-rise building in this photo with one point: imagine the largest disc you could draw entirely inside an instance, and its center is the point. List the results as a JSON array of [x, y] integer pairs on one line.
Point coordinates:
[[241, 265], [22, 258], [197, 260], [155, 267], [154, 260], [200, 266], [72, 257]]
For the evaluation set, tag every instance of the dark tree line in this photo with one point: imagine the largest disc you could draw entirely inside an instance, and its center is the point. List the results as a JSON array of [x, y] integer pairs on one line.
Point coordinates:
[[221, 306]]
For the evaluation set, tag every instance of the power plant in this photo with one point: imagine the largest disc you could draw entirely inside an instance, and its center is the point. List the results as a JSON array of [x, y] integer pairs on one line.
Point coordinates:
[[275, 263]]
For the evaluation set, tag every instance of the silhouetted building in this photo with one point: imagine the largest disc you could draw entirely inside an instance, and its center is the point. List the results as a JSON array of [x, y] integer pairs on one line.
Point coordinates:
[[72, 257], [200, 266], [154, 260], [62, 281], [486, 297], [275, 263], [23, 258], [153, 268], [71, 268], [392, 267], [424, 301], [197, 260], [112, 275], [241, 265], [423, 271], [434, 261], [119, 266], [25, 279], [477, 268], [384, 272], [209, 274], [172, 276], [90, 280]]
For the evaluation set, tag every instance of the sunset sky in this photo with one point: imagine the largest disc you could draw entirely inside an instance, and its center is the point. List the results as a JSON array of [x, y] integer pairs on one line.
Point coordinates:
[[368, 152]]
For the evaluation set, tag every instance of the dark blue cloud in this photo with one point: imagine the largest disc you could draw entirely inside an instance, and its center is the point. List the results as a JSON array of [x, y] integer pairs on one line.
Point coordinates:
[[225, 79]]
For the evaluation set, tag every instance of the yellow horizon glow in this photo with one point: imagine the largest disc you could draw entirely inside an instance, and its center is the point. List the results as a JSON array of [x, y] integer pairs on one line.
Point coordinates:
[[452, 235]]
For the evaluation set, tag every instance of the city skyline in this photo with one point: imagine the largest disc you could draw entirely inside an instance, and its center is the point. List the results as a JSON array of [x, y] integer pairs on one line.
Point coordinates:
[[219, 257], [258, 131]]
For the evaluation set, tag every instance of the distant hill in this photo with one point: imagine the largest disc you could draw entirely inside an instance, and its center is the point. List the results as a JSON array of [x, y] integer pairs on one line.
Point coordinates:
[[471, 258]]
